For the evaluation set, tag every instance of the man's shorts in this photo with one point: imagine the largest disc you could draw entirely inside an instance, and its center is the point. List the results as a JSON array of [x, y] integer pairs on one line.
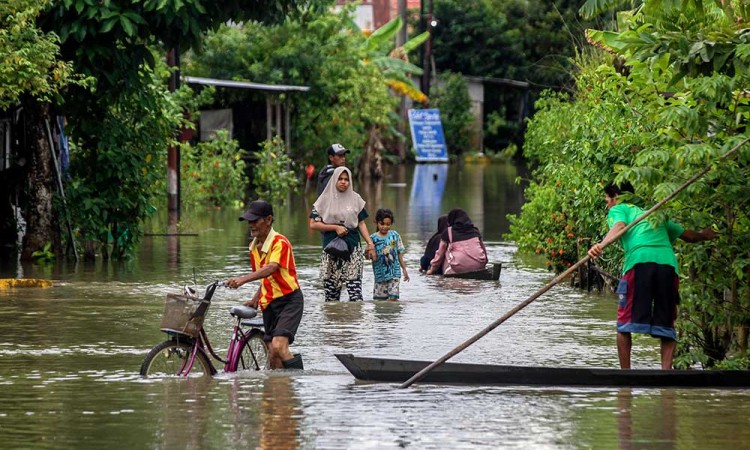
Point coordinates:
[[648, 298], [386, 290], [283, 315]]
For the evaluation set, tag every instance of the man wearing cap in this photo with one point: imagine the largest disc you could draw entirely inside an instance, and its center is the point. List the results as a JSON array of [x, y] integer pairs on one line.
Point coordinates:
[[336, 158], [279, 295]]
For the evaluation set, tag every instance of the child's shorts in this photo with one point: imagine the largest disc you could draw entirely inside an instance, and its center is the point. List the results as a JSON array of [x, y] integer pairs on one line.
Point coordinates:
[[386, 290]]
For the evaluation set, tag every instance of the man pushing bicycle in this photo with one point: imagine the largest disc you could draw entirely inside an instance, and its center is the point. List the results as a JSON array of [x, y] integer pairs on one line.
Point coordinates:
[[279, 295]]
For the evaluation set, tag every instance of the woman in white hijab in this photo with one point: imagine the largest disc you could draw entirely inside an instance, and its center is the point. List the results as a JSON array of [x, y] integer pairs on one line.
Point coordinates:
[[339, 211]]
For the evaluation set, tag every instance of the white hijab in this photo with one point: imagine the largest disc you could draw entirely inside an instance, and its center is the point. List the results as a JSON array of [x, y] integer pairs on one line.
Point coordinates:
[[336, 207]]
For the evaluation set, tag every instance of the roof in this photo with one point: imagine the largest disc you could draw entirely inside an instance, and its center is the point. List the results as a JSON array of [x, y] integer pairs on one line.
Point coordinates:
[[500, 81], [245, 85]]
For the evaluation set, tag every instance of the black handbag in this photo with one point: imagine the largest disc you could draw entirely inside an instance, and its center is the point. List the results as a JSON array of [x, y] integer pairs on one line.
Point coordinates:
[[338, 248]]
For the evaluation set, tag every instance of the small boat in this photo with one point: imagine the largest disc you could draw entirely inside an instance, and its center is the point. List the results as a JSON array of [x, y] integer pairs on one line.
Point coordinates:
[[491, 272], [398, 371]]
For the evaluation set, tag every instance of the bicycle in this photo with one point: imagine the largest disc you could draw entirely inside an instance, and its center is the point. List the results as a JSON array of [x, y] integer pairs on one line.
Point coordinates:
[[189, 343]]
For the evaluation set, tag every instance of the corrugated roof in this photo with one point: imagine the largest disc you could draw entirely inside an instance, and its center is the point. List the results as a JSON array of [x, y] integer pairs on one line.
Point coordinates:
[[245, 84]]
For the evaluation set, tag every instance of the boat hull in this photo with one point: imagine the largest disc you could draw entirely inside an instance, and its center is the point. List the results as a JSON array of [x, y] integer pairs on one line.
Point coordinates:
[[492, 272], [397, 371]]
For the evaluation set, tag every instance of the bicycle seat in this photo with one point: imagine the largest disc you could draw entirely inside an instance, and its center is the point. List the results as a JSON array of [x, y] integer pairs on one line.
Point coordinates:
[[243, 312]]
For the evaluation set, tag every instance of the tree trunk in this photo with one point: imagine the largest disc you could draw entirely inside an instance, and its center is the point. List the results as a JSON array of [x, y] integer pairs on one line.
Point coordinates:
[[39, 214], [371, 164], [9, 188]]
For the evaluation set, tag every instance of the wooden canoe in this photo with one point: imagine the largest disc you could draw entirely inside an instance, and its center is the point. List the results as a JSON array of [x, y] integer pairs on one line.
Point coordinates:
[[398, 371], [491, 272]]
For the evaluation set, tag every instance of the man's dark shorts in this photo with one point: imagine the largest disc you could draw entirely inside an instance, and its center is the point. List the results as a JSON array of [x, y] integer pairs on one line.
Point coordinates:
[[648, 298], [283, 315]]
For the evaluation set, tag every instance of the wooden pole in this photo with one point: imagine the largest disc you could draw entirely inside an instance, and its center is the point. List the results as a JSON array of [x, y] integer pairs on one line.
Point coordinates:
[[419, 375]]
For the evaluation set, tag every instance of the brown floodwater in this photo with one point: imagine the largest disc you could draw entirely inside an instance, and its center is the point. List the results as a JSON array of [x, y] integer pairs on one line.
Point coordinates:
[[70, 354]]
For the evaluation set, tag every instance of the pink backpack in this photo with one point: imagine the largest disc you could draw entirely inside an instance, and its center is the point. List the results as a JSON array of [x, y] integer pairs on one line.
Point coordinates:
[[464, 256]]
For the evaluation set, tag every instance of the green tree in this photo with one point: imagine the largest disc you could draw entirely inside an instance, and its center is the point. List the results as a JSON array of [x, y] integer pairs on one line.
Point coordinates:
[[112, 42], [31, 76], [700, 52], [348, 97], [527, 40], [30, 56], [524, 40]]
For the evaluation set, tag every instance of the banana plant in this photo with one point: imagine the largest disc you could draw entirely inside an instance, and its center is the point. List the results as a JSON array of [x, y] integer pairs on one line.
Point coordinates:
[[394, 61]]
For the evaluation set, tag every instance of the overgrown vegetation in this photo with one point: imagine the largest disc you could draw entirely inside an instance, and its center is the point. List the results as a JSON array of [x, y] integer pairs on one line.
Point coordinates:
[[213, 172], [347, 96], [115, 177], [30, 56], [120, 129], [680, 103], [275, 177]]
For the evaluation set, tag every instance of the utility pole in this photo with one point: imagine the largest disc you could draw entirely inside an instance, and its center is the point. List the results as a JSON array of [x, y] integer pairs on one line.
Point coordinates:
[[402, 33], [427, 25], [400, 41]]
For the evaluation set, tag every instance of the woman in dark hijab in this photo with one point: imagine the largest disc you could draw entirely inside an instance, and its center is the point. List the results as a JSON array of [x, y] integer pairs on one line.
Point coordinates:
[[461, 248], [432, 245]]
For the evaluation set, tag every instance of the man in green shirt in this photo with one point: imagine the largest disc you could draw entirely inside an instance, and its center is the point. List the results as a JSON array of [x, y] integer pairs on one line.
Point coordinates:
[[648, 292]]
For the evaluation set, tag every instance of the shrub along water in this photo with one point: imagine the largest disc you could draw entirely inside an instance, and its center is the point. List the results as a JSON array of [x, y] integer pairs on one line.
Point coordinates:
[[213, 172], [676, 107]]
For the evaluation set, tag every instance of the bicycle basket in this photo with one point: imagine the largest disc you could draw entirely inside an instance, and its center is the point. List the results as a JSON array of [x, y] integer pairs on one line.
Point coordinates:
[[183, 314]]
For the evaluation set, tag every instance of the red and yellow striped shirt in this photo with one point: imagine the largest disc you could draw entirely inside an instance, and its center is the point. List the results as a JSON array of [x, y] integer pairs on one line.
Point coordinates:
[[276, 249]]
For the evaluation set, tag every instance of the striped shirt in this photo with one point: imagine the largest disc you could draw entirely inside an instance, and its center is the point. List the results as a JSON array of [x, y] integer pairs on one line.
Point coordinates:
[[276, 249]]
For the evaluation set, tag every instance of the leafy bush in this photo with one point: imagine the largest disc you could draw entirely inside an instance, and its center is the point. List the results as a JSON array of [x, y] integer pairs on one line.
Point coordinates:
[[213, 172], [681, 107], [274, 176], [574, 143]]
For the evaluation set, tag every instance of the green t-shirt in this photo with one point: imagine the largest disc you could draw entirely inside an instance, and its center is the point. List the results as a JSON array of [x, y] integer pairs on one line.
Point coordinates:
[[352, 238], [645, 242]]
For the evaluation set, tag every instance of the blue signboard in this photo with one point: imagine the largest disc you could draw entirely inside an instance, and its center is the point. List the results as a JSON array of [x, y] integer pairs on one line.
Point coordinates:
[[427, 135]]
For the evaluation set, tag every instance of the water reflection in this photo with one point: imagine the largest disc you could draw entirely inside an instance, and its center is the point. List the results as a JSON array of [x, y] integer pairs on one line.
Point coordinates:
[[173, 253], [279, 414], [426, 197], [651, 423], [342, 321], [184, 420], [387, 311]]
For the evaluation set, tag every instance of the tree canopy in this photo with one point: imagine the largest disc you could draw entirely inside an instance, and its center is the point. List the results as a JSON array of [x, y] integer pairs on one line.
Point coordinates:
[[30, 57]]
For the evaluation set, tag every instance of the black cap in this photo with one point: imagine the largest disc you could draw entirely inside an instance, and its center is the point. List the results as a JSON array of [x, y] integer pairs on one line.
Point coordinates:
[[257, 210], [337, 149]]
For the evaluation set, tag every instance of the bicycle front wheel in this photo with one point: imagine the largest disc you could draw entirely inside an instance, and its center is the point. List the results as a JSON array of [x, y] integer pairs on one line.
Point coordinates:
[[171, 358], [254, 353]]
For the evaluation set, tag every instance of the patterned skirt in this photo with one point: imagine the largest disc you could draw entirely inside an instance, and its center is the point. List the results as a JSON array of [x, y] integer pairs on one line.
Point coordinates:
[[340, 271]]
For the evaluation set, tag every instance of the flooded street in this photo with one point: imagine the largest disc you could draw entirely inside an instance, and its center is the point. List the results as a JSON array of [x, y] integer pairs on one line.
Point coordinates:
[[70, 354]]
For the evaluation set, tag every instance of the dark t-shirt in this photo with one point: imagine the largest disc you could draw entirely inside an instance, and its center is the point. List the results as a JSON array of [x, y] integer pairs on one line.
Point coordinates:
[[324, 176], [351, 238]]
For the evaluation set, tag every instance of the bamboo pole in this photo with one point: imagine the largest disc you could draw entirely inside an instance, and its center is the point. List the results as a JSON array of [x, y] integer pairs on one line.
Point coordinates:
[[419, 375]]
